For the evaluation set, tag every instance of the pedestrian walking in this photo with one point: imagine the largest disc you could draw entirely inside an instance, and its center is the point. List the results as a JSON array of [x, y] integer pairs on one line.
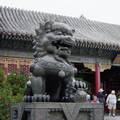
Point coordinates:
[[111, 102]]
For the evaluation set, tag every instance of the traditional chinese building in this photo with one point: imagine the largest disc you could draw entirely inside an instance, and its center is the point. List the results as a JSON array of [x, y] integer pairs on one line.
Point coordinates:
[[95, 54]]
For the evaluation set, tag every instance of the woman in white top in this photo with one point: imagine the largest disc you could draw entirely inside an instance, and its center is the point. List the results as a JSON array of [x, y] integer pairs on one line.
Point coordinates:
[[111, 102]]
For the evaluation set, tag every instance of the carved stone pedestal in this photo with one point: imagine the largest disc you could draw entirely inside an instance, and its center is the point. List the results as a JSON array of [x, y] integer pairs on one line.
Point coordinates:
[[57, 111]]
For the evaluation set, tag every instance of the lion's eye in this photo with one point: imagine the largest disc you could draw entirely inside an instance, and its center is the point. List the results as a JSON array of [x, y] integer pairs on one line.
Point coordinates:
[[58, 32], [64, 33]]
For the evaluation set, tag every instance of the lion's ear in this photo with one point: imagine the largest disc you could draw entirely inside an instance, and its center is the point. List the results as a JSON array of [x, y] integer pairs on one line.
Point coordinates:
[[40, 29], [48, 25]]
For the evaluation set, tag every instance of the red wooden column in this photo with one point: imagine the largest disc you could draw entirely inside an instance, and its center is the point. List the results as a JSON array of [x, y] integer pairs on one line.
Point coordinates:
[[97, 77]]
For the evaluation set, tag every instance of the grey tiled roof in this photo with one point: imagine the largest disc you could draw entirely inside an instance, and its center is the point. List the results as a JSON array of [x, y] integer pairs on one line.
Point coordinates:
[[21, 24]]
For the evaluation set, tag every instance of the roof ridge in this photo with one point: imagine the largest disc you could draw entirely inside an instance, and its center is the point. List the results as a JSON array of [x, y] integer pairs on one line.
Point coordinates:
[[82, 17], [101, 22], [37, 12]]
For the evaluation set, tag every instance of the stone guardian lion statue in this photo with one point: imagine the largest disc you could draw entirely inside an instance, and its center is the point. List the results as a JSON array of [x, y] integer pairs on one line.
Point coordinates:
[[52, 73]]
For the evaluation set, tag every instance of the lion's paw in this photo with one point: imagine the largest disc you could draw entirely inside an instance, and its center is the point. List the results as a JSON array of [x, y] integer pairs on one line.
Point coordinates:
[[37, 98]]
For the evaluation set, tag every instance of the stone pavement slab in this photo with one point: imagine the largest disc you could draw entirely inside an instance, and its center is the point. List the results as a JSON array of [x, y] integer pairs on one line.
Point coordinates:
[[111, 117]]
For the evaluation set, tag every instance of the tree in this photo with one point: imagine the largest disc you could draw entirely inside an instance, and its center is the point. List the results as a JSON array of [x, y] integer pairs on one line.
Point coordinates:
[[11, 91]]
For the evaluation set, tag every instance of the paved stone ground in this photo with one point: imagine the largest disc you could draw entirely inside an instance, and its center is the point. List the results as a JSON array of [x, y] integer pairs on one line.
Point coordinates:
[[117, 117]]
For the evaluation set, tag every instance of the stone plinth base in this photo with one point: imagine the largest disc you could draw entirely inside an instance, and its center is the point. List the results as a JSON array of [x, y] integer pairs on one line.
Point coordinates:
[[57, 111]]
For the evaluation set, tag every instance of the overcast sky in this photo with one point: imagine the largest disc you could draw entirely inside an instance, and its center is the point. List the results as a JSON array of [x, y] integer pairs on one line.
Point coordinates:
[[101, 10]]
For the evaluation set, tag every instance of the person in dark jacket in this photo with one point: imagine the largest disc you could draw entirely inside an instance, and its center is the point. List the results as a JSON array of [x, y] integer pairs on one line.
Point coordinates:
[[101, 96]]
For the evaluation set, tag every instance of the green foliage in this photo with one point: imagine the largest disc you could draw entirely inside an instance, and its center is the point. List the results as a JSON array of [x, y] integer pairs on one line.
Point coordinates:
[[11, 91], [17, 81], [1, 75], [5, 101]]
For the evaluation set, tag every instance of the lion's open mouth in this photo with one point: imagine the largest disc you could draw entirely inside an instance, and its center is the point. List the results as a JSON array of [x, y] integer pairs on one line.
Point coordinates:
[[61, 40]]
